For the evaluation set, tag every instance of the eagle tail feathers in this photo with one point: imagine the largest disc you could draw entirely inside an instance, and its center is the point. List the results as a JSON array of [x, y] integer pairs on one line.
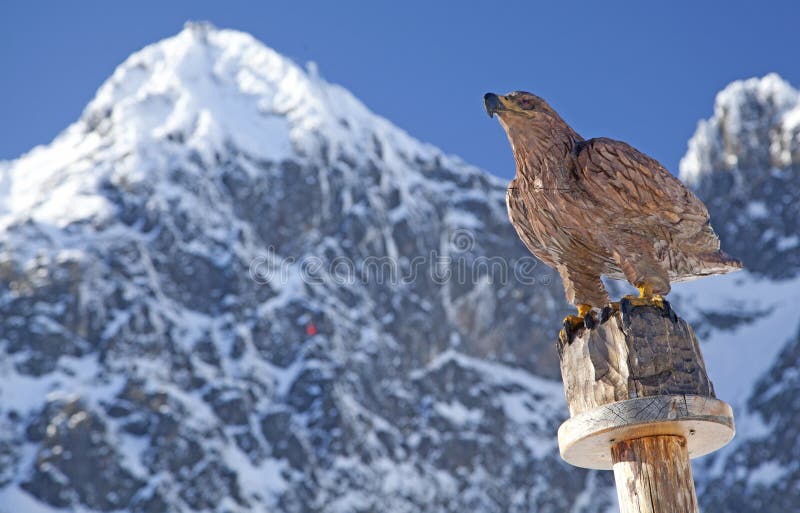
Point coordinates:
[[720, 262]]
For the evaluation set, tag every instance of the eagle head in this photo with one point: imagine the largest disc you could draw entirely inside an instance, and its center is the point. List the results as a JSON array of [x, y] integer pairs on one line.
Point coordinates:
[[517, 103], [529, 122]]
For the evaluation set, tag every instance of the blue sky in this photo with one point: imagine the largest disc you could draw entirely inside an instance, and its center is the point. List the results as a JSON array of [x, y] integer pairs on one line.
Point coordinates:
[[637, 71]]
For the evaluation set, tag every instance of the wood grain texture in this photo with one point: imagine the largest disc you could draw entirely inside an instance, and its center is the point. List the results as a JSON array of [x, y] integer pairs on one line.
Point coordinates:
[[641, 403], [640, 351], [653, 475], [585, 440]]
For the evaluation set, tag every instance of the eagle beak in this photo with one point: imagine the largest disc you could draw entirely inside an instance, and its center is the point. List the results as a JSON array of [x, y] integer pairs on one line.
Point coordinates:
[[493, 104]]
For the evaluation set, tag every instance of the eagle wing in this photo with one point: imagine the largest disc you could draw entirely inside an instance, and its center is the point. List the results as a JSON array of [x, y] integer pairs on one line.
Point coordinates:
[[635, 191]]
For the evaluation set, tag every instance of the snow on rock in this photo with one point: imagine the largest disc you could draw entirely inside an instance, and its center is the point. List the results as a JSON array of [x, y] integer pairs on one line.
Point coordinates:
[[220, 290], [177, 336], [731, 314], [744, 162], [754, 118]]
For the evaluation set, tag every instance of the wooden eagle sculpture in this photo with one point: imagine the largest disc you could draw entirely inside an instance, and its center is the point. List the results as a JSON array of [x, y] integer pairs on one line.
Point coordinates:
[[599, 207]]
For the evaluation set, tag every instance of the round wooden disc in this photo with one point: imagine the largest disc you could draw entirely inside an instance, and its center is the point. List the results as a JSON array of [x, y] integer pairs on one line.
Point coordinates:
[[585, 440]]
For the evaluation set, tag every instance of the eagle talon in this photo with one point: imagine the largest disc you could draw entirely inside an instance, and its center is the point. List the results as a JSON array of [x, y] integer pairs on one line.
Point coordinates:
[[654, 300], [589, 320], [574, 323], [646, 298]]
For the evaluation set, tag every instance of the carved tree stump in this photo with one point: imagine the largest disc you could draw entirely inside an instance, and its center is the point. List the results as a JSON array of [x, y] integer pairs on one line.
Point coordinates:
[[641, 402]]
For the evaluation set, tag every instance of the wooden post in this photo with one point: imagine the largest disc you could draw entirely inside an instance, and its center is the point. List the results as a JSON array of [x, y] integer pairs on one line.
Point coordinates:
[[654, 474], [641, 403]]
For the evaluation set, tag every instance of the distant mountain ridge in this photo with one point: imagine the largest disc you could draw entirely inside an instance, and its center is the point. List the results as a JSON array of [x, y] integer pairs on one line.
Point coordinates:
[[745, 164], [149, 365], [147, 369]]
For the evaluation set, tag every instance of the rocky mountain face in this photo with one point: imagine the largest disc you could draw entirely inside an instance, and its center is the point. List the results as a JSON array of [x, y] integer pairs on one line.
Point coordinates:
[[744, 162], [230, 287]]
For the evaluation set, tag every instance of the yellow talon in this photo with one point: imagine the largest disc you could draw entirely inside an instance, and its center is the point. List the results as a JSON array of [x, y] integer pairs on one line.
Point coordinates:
[[573, 323], [576, 321], [646, 297]]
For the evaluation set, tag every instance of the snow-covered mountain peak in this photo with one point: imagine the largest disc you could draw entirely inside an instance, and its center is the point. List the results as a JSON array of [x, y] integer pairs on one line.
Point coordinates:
[[750, 117], [199, 94], [230, 275], [744, 163], [198, 86], [230, 287], [210, 85]]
